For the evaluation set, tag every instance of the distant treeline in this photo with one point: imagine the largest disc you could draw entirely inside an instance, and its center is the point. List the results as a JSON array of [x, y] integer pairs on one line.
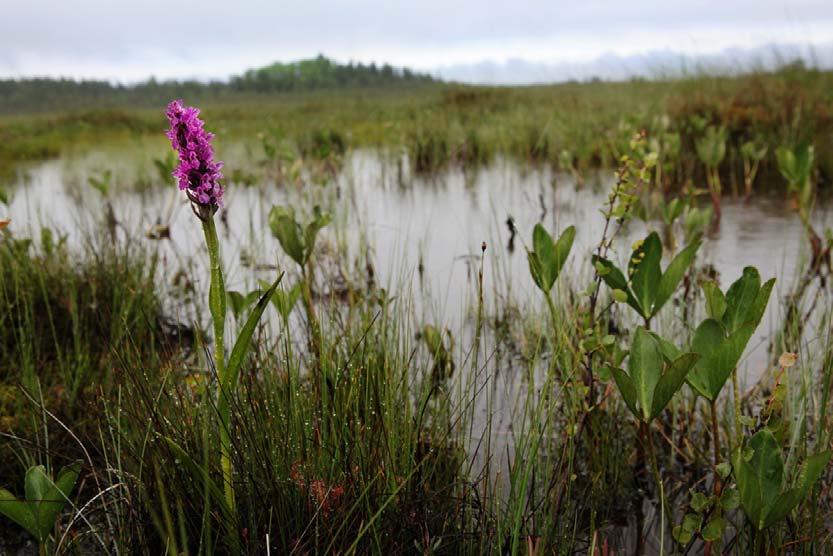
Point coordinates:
[[44, 94]]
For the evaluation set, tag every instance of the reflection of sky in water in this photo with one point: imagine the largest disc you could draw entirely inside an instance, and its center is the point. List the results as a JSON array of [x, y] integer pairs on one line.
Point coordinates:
[[440, 222]]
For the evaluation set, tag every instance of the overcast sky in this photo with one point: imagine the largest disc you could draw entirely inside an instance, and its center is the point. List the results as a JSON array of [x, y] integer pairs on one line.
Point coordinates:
[[131, 40]]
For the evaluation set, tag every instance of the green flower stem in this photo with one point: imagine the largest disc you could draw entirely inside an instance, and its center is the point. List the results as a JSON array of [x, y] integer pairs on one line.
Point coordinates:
[[217, 307]]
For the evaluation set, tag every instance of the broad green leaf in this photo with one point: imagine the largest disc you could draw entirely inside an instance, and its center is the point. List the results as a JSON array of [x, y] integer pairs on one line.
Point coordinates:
[[715, 300], [796, 165], [810, 472], [241, 346], [718, 356], [319, 220], [673, 274], [711, 148], [548, 257], [543, 252], [756, 312], [562, 249], [626, 388], [36, 483], [669, 351], [671, 381], [614, 278], [644, 369], [761, 477], [286, 229], [781, 506], [707, 338], [239, 302], [740, 298], [536, 269], [673, 210], [645, 272], [55, 498], [18, 511]]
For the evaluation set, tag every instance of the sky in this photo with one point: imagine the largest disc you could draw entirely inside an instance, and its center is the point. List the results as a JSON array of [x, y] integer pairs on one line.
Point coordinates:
[[127, 41]]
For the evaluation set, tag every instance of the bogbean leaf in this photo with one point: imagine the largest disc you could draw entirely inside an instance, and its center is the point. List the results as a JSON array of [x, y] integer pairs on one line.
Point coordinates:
[[674, 274], [319, 220], [715, 300], [296, 241], [721, 338], [671, 381], [656, 371], [810, 472], [547, 256], [759, 470], [740, 298], [644, 368], [44, 500], [719, 356], [761, 477], [55, 498], [614, 278], [711, 148], [286, 229], [626, 388], [648, 289], [644, 272], [18, 511], [707, 338], [796, 165]]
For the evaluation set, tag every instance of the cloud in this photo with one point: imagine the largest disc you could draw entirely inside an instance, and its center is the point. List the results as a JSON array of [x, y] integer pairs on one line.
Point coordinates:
[[131, 40]]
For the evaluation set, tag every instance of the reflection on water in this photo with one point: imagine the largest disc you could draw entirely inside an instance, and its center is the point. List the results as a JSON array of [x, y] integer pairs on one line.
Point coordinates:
[[424, 235]]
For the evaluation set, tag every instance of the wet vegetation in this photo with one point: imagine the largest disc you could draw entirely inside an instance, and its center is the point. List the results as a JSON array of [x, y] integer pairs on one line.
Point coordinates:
[[147, 407]]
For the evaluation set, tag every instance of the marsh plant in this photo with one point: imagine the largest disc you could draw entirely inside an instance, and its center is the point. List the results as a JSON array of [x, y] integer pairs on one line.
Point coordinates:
[[518, 431], [198, 174], [711, 149], [752, 153], [44, 500]]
